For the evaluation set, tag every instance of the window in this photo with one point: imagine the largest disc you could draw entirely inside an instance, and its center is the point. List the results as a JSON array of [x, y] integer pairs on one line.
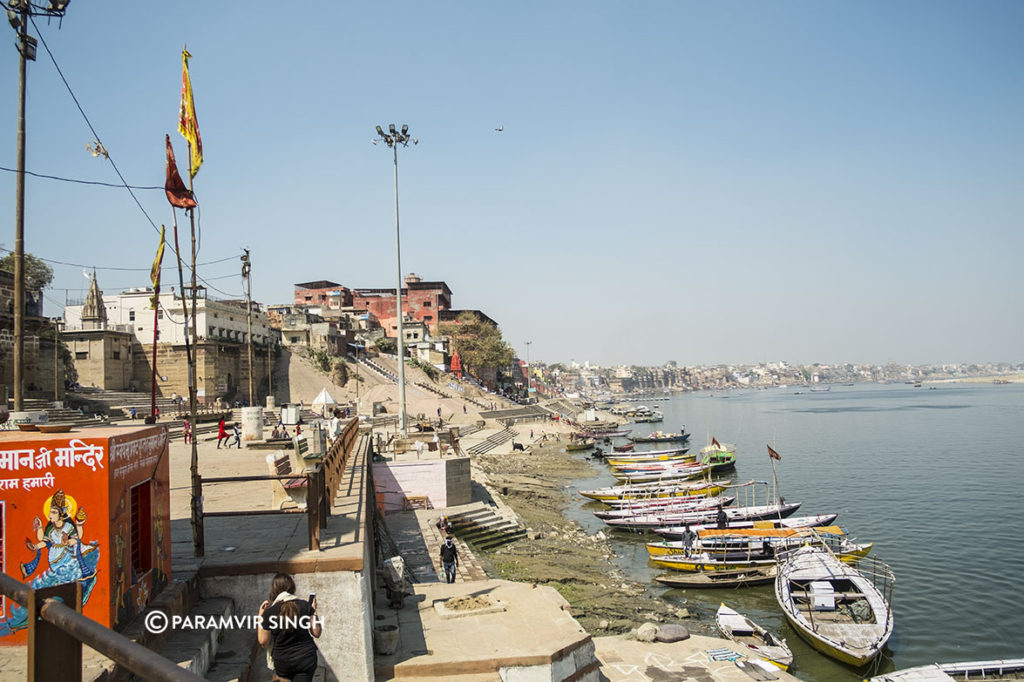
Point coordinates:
[[82, 355], [131, 315], [141, 530], [426, 304], [115, 355]]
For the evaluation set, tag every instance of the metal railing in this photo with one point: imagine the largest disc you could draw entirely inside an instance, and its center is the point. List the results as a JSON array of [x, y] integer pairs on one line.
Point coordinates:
[[321, 486], [57, 629]]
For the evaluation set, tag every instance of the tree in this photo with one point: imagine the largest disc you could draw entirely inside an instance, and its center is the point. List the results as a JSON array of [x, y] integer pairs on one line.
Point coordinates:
[[478, 343], [38, 274]]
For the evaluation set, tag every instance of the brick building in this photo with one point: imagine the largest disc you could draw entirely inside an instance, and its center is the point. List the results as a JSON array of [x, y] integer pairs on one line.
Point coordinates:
[[324, 294], [421, 302]]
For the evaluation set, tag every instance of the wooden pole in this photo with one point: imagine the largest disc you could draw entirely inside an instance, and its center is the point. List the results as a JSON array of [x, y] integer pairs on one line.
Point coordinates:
[[198, 534]]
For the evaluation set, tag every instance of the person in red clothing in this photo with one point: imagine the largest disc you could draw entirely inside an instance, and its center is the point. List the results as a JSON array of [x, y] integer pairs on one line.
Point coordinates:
[[222, 433]]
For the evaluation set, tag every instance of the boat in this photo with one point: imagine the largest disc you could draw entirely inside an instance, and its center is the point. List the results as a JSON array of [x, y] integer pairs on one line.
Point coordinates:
[[715, 447], [649, 453], [663, 505], [740, 577], [649, 521], [717, 561], [676, 532], [820, 389], [742, 539], [649, 418], [1004, 669], [605, 433], [579, 444], [842, 611], [747, 633], [629, 447], [643, 457], [664, 476], [661, 437], [657, 489], [721, 461]]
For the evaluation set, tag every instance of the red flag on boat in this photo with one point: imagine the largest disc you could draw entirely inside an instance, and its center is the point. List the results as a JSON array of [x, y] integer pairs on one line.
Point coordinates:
[[714, 441], [773, 454]]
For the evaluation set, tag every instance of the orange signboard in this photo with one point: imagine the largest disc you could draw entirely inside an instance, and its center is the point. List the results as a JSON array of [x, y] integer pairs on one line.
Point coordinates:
[[90, 506]]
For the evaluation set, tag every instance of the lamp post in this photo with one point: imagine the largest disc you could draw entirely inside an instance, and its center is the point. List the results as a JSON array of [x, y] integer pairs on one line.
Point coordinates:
[[528, 371], [393, 139], [18, 14]]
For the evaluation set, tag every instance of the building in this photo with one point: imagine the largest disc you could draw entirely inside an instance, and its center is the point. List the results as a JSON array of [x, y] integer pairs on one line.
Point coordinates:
[[421, 302], [326, 294], [221, 352], [44, 365]]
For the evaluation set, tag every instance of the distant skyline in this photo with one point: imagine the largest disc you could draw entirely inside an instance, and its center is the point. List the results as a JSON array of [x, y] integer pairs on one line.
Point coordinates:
[[709, 183]]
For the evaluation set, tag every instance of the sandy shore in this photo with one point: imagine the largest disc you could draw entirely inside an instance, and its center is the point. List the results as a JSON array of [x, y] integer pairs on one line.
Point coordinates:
[[560, 553]]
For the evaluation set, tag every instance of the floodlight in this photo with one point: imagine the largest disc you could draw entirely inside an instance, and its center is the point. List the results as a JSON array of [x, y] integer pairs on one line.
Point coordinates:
[[405, 129], [391, 129], [380, 131]]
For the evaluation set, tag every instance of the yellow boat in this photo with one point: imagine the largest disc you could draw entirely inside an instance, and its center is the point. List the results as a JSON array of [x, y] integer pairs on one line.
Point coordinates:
[[629, 461], [707, 562], [648, 492]]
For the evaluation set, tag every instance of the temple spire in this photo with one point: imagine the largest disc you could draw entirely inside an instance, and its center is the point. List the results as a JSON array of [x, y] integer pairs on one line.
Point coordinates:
[[94, 312]]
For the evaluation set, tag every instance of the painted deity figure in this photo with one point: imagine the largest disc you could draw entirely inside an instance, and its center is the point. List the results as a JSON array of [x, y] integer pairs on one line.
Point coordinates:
[[68, 559]]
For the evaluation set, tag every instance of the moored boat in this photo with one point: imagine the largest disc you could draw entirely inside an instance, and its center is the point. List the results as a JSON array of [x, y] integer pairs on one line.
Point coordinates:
[[675, 532], [739, 577], [661, 437], [628, 447], [842, 611], [648, 490], [744, 539], [718, 561], [579, 444], [1003, 669], [749, 634], [664, 505], [649, 521], [643, 457]]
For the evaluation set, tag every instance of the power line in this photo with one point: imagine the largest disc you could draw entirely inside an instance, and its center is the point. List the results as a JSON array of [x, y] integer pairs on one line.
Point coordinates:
[[112, 268], [77, 181]]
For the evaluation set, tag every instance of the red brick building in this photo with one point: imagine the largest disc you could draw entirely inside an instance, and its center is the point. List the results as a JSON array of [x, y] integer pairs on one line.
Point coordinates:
[[421, 301], [328, 295]]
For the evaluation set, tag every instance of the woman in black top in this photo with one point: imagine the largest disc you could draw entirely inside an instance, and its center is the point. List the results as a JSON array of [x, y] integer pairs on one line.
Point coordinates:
[[287, 624]]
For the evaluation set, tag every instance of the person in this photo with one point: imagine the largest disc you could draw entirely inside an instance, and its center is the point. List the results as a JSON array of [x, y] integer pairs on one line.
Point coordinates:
[[721, 518], [186, 430], [275, 433], [132, 412], [449, 559], [288, 625], [419, 449], [156, 414], [237, 435], [463, 408], [444, 525], [222, 432], [688, 537]]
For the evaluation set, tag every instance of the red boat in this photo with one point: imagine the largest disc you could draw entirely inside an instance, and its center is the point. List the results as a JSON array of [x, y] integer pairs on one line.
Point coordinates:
[[624, 448]]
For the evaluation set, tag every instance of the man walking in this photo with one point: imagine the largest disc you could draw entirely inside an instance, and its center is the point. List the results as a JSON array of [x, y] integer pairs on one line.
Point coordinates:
[[449, 559]]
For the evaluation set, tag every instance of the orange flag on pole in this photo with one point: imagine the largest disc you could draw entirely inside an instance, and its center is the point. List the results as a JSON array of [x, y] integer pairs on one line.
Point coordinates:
[[174, 186], [773, 454], [188, 126]]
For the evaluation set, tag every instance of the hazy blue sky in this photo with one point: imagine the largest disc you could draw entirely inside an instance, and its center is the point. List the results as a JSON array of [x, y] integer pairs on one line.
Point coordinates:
[[700, 182]]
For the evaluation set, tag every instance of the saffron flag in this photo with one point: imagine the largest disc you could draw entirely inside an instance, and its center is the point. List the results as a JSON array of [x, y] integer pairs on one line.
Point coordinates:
[[773, 454], [714, 441], [188, 126], [154, 274], [177, 193]]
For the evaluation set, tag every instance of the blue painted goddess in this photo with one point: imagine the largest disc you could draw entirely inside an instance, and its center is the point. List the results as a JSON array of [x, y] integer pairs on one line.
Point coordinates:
[[68, 559]]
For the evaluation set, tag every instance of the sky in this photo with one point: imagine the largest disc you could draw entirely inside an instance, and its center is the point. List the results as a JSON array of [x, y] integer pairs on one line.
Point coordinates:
[[725, 182]]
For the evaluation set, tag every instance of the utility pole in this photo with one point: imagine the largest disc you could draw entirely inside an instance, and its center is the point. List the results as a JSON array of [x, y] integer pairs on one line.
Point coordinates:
[[393, 138], [56, 366], [528, 371], [27, 50], [247, 274]]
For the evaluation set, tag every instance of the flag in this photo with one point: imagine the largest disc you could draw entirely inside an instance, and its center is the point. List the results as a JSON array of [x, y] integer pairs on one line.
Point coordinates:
[[154, 274], [773, 454], [714, 441], [188, 126], [177, 193]]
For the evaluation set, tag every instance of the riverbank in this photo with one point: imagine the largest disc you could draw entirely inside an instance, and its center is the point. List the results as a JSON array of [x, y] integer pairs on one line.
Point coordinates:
[[561, 554]]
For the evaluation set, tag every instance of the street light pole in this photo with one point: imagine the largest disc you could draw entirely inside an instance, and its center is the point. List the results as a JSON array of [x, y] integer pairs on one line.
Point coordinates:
[[393, 138], [528, 371], [247, 274]]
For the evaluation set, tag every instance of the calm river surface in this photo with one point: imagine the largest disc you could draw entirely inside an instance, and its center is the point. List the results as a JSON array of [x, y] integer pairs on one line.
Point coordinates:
[[932, 477]]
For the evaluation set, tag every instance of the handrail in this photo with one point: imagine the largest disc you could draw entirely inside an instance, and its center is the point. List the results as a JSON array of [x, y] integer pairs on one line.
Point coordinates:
[[138, 659]]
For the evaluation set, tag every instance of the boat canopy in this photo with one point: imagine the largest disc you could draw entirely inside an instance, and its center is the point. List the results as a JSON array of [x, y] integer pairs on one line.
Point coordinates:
[[769, 532]]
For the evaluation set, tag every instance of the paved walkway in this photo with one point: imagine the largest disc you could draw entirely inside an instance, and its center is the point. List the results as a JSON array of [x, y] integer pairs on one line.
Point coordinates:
[[419, 541]]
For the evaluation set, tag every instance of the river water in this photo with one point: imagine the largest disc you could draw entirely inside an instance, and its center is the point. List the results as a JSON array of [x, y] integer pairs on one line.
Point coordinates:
[[932, 477]]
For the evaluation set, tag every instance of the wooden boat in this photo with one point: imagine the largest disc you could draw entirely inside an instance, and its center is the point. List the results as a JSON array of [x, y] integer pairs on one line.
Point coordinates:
[[717, 561], [747, 633], [649, 418], [580, 444], [661, 437], [644, 458], [606, 433], [743, 539], [740, 577], [664, 451], [649, 521], [677, 474], [676, 532], [820, 389], [1007, 669], [716, 462], [841, 611], [664, 505], [629, 447], [648, 490], [716, 447]]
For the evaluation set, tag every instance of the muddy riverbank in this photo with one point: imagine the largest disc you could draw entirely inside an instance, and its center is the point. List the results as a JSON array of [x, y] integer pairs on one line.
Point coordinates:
[[559, 552]]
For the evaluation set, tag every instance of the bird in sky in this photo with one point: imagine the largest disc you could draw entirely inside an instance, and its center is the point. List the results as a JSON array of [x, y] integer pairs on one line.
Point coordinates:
[[499, 128]]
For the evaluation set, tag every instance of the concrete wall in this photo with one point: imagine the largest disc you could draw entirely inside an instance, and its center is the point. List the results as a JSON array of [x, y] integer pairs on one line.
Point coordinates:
[[344, 601], [445, 482]]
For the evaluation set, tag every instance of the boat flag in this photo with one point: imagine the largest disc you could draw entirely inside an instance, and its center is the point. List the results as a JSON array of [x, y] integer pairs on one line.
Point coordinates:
[[174, 186], [188, 126], [154, 274], [714, 441], [773, 454]]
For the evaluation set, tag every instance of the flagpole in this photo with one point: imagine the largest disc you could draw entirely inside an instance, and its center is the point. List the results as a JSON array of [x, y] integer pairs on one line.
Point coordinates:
[[198, 534], [156, 334]]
